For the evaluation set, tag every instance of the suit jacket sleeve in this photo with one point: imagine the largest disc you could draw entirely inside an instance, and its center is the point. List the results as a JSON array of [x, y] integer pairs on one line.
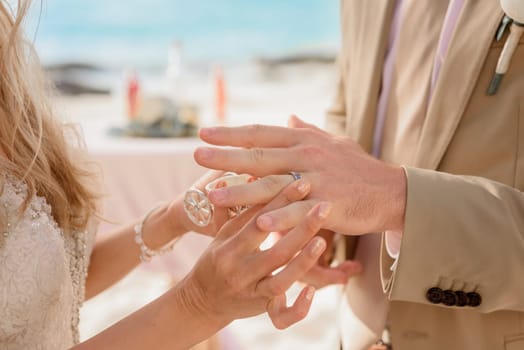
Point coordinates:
[[461, 233]]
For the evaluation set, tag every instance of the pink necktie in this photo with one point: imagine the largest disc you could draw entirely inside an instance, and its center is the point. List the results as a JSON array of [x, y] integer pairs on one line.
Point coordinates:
[[450, 23], [448, 29]]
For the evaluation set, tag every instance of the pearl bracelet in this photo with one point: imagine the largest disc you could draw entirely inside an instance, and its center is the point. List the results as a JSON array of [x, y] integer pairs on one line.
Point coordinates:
[[147, 253]]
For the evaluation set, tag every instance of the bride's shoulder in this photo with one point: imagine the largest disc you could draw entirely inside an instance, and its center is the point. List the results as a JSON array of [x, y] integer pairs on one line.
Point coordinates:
[[15, 206], [13, 192]]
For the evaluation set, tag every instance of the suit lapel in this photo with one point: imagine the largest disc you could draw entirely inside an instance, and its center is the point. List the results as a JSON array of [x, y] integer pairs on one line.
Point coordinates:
[[366, 27], [458, 75]]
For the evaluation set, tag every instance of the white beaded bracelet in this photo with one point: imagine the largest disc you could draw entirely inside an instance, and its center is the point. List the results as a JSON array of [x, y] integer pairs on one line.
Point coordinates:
[[147, 253]]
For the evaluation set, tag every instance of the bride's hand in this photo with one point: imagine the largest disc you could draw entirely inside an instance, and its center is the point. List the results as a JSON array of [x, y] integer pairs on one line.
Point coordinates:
[[234, 278]]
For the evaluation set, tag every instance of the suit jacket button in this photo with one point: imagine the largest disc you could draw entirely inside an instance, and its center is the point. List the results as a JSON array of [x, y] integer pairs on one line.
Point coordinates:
[[462, 299], [474, 299], [449, 298], [434, 295]]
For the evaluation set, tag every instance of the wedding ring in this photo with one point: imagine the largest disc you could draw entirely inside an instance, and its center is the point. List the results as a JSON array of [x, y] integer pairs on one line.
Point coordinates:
[[296, 175]]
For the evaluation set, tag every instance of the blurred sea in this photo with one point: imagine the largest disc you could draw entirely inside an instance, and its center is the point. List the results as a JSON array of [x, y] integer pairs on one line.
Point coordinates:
[[138, 32]]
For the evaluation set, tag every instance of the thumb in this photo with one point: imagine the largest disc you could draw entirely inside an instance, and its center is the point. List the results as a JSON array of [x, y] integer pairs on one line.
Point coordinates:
[[296, 122]]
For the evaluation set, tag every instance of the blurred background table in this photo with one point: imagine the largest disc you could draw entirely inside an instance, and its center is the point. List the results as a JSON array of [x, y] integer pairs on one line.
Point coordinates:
[[140, 172]]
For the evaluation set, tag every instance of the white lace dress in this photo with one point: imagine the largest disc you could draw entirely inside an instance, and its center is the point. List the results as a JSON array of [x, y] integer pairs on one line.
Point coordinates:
[[42, 274]]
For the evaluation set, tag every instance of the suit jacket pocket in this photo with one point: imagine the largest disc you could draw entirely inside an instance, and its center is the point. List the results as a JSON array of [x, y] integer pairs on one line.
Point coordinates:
[[515, 342]]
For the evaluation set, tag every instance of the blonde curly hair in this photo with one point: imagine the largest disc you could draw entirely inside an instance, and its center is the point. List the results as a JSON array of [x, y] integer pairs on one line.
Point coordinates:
[[37, 147]]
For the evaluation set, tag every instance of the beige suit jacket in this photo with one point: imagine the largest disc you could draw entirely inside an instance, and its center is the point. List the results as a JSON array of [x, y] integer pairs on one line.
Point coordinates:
[[464, 224]]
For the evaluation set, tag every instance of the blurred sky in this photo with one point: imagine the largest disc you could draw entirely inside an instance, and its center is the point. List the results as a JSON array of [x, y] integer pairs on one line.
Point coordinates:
[[139, 31]]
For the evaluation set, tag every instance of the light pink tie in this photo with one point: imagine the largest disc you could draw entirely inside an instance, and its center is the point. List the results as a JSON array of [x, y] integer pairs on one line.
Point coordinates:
[[448, 29], [450, 23]]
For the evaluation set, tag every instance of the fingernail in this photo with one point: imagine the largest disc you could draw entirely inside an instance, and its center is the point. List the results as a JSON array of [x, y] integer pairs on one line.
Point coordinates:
[[218, 195], [303, 187], [324, 210], [310, 293], [207, 131], [318, 246], [265, 221], [204, 153]]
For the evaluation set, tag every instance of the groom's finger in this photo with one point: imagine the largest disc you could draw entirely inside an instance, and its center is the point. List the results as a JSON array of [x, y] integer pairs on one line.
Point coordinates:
[[285, 218], [254, 161], [258, 192], [253, 136], [297, 123]]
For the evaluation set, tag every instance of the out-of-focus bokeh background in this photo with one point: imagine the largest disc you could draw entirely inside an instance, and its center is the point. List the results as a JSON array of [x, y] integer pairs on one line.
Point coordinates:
[[128, 68], [276, 56]]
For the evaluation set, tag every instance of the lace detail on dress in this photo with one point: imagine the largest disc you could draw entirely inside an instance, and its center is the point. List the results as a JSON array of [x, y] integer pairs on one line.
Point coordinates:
[[42, 274], [76, 249]]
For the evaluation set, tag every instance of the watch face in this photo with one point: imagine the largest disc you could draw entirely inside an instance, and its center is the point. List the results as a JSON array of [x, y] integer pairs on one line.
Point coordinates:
[[197, 207]]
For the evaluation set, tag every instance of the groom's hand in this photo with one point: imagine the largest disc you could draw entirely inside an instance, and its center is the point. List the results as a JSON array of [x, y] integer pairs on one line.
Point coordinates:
[[368, 195]]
